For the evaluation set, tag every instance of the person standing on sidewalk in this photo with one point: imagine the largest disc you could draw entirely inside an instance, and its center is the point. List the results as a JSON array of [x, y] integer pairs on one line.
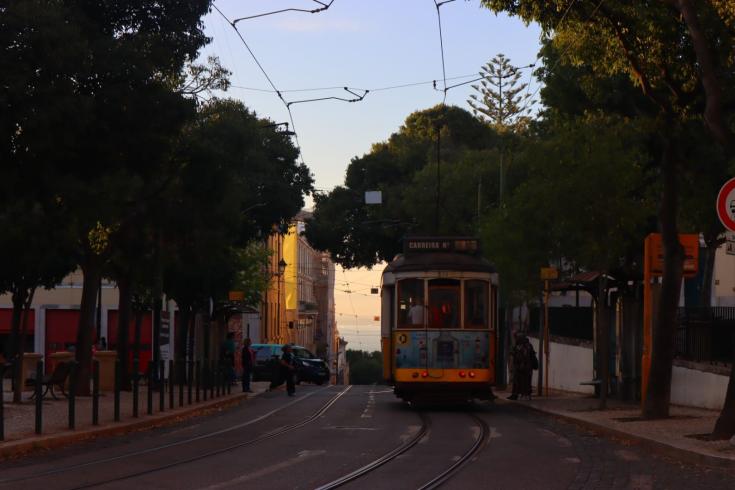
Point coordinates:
[[524, 362], [248, 359], [288, 367]]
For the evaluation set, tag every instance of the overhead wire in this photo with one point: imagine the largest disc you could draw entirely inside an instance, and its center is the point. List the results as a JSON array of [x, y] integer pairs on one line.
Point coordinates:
[[324, 6], [438, 5]]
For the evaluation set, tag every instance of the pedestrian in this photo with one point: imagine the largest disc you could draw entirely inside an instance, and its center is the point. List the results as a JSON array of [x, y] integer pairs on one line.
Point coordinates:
[[524, 362], [248, 360], [288, 368]]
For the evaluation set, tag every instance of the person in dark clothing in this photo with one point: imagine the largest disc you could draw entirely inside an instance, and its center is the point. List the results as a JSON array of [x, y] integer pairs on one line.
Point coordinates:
[[248, 357], [288, 368], [524, 362]]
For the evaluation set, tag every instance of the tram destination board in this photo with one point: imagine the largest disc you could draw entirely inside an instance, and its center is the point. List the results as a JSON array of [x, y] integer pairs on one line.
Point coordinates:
[[465, 245]]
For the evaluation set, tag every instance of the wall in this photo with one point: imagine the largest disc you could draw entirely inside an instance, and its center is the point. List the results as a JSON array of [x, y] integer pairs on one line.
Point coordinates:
[[569, 366], [697, 388]]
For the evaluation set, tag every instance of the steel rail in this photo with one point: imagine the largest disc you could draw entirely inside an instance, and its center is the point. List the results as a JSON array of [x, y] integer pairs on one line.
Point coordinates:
[[221, 450], [439, 480], [425, 428], [182, 442]]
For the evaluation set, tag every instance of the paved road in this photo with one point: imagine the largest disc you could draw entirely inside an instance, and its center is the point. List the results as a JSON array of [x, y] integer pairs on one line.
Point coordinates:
[[325, 433]]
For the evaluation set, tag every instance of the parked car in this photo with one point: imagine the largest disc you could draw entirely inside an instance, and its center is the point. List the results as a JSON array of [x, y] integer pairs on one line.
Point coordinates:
[[310, 368]]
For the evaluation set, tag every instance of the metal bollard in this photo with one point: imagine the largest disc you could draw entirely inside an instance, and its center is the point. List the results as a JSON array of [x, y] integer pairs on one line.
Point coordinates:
[[212, 378], [203, 376], [189, 380], [96, 392], [181, 378], [118, 380], [73, 375], [136, 380], [161, 386], [198, 367], [39, 401], [171, 384], [150, 388], [2, 402]]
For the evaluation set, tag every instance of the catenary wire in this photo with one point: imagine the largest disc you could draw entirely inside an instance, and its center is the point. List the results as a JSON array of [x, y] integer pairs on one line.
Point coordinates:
[[324, 6]]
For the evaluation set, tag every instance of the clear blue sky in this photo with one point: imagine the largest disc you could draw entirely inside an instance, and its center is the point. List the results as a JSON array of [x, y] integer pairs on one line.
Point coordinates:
[[365, 44]]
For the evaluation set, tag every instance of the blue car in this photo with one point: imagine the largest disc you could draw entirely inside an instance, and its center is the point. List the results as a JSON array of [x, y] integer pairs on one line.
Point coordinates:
[[309, 367]]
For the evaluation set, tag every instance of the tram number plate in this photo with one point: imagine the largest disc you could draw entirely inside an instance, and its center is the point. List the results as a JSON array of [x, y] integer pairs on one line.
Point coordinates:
[[445, 351]]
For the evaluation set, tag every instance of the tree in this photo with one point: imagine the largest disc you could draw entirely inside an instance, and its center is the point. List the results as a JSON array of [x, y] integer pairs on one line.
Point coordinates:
[[239, 177], [420, 181], [660, 48], [115, 116], [500, 101]]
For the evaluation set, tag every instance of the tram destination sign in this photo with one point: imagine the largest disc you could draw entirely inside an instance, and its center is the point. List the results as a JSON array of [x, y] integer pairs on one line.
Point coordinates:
[[444, 244]]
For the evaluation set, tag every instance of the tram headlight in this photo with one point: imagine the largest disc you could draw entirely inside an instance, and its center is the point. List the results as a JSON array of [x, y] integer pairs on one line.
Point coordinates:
[[472, 374], [462, 374]]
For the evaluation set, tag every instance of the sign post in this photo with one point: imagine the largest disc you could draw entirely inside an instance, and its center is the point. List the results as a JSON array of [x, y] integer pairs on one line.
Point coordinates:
[[547, 274], [653, 266]]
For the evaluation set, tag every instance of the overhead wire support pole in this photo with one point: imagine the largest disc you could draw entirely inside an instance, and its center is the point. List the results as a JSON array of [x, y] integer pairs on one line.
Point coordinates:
[[357, 98]]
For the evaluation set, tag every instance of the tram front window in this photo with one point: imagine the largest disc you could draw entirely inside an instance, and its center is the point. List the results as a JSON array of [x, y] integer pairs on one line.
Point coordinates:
[[412, 312], [476, 307], [443, 303]]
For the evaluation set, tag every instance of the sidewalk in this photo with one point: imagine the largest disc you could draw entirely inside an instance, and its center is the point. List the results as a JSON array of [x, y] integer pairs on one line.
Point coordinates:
[[20, 436], [682, 436]]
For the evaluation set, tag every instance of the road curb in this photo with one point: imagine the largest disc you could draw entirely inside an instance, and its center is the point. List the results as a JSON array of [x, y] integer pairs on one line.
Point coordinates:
[[21, 447], [659, 447]]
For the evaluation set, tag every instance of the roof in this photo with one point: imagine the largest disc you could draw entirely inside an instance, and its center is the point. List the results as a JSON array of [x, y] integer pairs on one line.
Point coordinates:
[[439, 261], [582, 281]]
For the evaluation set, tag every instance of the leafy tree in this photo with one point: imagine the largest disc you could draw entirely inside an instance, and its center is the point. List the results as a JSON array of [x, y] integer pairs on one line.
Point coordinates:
[[679, 66], [365, 367], [238, 179], [90, 110], [500, 101], [420, 191]]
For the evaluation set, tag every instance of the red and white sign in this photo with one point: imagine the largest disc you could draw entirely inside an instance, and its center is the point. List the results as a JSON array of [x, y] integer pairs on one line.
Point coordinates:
[[726, 204]]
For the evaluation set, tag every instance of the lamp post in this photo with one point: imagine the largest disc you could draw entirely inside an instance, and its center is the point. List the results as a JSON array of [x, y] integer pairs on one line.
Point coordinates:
[[281, 269]]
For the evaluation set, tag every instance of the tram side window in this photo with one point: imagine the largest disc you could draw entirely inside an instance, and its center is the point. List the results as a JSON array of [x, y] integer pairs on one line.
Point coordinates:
[[476, 307], [411, 310], [444, 303]]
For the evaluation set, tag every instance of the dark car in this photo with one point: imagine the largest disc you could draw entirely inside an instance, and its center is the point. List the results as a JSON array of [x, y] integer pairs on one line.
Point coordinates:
[[309, 367]]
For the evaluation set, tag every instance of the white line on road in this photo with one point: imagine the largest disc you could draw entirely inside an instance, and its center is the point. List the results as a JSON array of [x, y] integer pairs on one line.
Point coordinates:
[[300, 458]]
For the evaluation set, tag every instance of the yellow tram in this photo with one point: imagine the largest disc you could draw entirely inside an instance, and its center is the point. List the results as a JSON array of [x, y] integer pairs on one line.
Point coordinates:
[[439, 317]]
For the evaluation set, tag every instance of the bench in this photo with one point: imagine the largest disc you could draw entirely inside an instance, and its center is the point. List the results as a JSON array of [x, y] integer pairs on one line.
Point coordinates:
[[55, 379]]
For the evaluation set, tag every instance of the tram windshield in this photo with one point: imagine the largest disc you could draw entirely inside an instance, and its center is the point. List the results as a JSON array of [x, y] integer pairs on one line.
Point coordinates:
[[411, 309], [444, 296], [475, 304]]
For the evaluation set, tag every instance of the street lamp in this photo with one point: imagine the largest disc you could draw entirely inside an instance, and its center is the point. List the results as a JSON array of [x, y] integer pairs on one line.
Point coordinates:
[[281, 269]]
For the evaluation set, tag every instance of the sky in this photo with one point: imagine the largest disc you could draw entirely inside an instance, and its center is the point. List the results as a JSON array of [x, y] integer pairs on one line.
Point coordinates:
[[361, 44]]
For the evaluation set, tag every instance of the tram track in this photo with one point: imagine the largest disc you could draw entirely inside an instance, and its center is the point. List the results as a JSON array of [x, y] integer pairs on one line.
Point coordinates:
[[437, 481], [268, 435], [479, 443]]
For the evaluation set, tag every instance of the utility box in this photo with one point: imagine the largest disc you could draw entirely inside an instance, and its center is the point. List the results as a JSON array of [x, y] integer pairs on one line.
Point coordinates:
[[107, 360]]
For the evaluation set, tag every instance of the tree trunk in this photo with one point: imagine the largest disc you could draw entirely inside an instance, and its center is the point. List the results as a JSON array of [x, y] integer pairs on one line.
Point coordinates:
[[725, 425], [22, 299], [603, 340], [92, 270], [658, 392], [125, 299]]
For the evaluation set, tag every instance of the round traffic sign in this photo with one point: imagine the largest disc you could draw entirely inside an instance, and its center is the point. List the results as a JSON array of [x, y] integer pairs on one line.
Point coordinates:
[[726, 204]]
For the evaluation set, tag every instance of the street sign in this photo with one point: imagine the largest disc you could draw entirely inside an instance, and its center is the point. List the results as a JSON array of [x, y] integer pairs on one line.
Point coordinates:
[[549, 273], [655, 262], [726, 204]]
